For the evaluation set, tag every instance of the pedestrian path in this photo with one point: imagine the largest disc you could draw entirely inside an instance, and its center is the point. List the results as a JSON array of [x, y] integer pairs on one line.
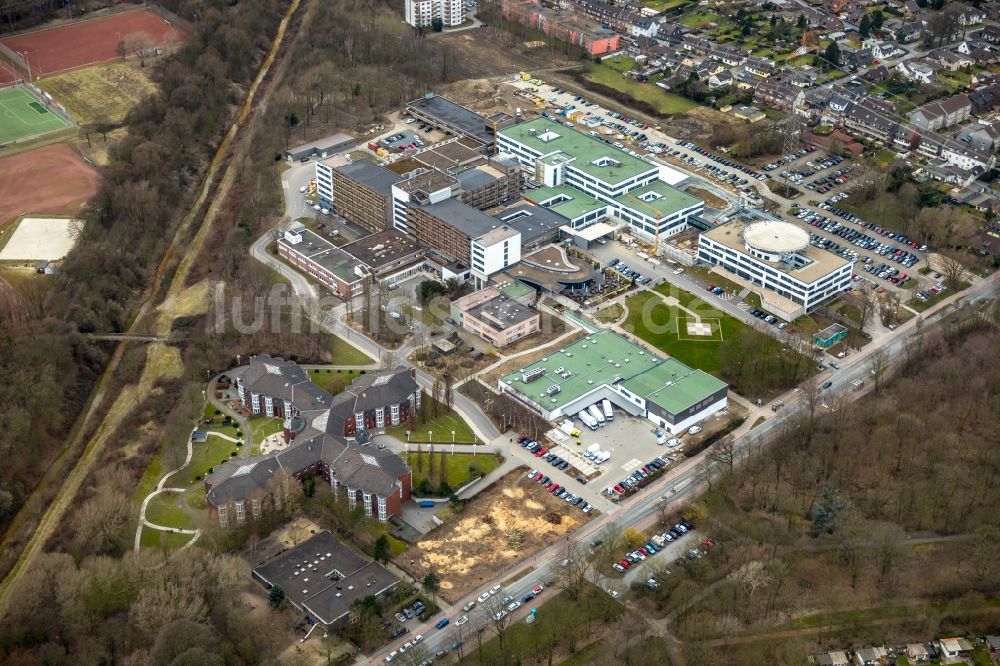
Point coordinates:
[[143, 523]]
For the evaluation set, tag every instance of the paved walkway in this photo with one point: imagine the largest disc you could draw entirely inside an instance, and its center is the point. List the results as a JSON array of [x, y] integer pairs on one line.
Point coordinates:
[[143, 523]]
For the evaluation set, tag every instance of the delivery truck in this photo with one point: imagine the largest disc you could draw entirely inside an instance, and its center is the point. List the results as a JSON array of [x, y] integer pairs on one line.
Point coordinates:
[[597, 414], [608, 414], [587, 419]]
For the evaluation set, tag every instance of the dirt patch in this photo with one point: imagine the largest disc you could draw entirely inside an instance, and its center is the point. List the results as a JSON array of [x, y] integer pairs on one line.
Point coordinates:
[[52, 179], [101, 93], [711, 200], [501, 526], [482, 55]]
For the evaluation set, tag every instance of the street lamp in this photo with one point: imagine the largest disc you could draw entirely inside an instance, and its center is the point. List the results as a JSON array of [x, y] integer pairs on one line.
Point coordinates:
[[452, 436], [429, 435]]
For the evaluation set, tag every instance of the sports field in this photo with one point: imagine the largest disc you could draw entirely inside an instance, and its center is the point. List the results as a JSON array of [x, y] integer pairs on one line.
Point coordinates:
[[51, 179], [53, 50], [21, 116]]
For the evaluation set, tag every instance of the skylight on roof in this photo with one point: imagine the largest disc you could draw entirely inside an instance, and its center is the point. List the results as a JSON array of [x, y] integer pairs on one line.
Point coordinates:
[[244, 470], [369, 460], [272, 369], [381, 380]]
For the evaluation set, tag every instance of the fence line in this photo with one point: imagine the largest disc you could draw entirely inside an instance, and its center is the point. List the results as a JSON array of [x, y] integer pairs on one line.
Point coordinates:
[[105, 13]]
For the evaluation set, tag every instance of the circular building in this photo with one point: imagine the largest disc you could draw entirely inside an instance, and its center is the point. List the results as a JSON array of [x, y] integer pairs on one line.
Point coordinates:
[[772, 240]]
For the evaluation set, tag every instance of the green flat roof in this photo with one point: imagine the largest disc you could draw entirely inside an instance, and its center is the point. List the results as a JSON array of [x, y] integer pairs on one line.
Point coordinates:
[[550, 137], [514, 288], [592, 361], [668, 200], [673, 385], [578, 204]]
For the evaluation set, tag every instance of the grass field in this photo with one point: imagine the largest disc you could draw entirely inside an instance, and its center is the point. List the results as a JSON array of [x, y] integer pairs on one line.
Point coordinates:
[[206, 455], [333, 381], [22, 116], [655, 322], [664, 102], [165, 510], [440, 428], [263, 427], [167, 540], [104, 93], [610, 313], [458, 467], [344, 353]]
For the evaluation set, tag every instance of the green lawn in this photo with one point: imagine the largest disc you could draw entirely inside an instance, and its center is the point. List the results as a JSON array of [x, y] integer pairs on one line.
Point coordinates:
[[165, 510], [206, 455], [150, 478], [557, 616], [265, 426], [610, 314], [157, 539], [440, 428], [655, 322], [460, 468], [344, 353], [694, 20], [664, 102], [333, 381]]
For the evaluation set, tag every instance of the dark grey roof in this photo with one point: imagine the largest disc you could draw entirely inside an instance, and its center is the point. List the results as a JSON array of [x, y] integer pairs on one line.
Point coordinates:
[[454, 115], [502, 312], [306, 572], [532, 222], [470, 221], [321, 441], [372, 175]]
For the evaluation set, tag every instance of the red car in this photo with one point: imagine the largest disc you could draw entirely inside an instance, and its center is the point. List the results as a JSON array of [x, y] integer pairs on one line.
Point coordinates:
[[710, 287], [521, 438], [541, 452], [624, 564], [555, 487], [708, 543]]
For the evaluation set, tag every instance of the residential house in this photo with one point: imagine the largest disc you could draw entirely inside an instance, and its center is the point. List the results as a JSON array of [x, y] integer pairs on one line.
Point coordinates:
[[722, 79], [948, 59], [908, 31], [953, 647], [877, 75], [917, 653], [777, 95], [983, 136], [728, 56], [990, 33], [882, 49], [993, 646], [749, 113], [836, 658], [872, 120], [964, 156], [985, 99], [855, 59], [873, 656], [970, 16], [911, 8], [643, 26], [916, 71], [942, 113], [759, 67]]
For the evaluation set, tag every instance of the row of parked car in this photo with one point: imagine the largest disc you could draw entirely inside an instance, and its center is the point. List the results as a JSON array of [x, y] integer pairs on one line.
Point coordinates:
[[656, 544], [856, 238], [560, 491], [770, 319], [927, 294], [639, 478], [789, 158], [885, 272], [860, 221], [540, 451], [624, 269], [722, 160]]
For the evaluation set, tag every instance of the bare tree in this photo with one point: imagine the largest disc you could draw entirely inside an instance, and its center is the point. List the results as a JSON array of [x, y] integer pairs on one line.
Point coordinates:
[[812, 394], [953, 270], [879, 361], [573, 577], [723, 454], [497, 617], [140, 45]]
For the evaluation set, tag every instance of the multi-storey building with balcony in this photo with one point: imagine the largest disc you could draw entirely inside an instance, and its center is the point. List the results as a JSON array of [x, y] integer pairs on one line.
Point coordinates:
[[323, 435]]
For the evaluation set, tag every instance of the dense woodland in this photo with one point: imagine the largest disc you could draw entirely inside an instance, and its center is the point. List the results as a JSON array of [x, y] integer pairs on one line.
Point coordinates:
[[822, 521], [154, 171]]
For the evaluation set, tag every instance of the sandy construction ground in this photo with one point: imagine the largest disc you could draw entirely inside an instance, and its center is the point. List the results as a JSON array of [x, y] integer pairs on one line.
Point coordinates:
[[40, 239], [503, 525]]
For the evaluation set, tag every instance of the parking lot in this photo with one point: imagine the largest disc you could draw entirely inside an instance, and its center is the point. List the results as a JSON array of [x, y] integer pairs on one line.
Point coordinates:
[[402, 141], [814, 170]]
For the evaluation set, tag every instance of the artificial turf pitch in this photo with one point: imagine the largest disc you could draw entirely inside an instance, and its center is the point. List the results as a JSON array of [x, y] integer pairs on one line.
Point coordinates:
[[22, 116]]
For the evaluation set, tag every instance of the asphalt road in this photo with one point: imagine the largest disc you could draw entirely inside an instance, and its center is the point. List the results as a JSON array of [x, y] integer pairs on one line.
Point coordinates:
[[687, 480]]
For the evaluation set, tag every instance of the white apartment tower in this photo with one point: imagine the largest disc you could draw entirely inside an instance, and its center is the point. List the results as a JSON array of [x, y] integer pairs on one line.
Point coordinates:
[[421, 13]]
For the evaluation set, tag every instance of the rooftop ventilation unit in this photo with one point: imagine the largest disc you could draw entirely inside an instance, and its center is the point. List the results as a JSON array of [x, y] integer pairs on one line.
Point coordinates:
[[552, 390], [532, 375]]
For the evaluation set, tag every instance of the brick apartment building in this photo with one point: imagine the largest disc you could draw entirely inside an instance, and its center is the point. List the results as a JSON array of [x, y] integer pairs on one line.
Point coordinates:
[[361, 191], [566, 26], [323, 434]]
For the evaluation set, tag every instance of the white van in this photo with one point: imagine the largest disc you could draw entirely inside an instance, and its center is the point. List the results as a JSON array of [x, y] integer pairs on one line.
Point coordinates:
[[694, 430], [608, 414]]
